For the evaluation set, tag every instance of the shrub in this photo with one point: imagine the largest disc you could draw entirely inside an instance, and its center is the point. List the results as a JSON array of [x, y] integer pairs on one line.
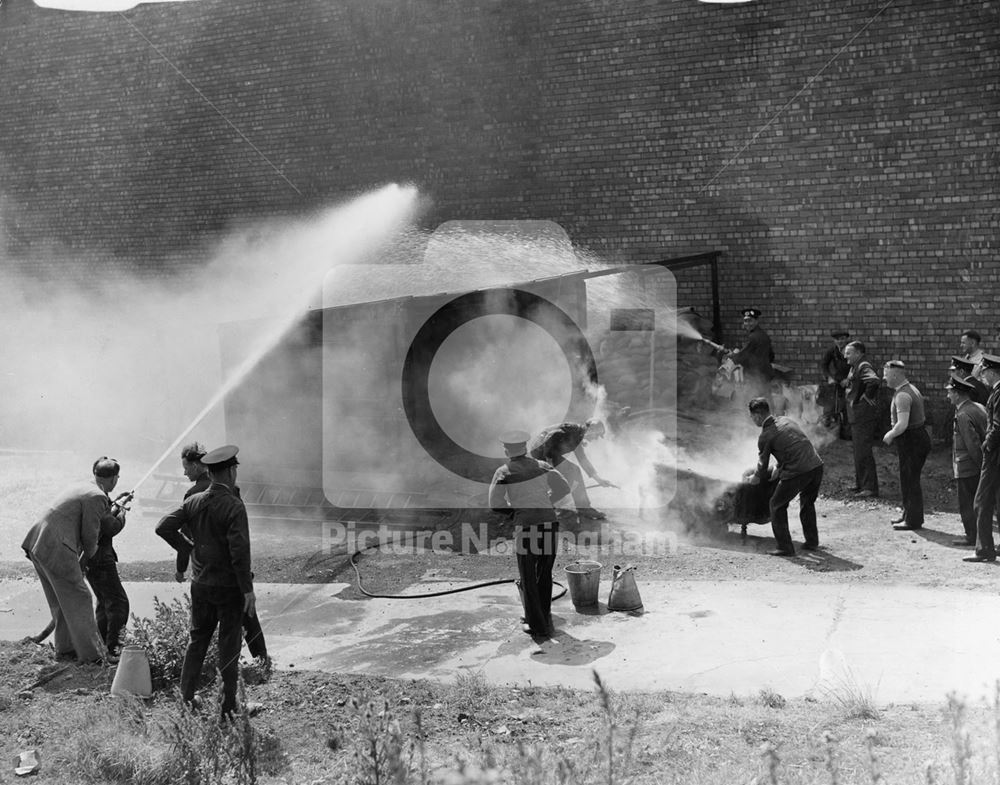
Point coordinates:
[[771, 699], [165, 639], [206, 749]]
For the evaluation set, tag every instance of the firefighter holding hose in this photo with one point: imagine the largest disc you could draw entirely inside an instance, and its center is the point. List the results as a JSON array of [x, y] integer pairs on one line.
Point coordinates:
[[61, 546], [527, 489]]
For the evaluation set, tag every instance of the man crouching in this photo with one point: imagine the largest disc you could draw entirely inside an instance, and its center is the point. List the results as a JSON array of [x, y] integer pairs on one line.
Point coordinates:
[[800, 473]]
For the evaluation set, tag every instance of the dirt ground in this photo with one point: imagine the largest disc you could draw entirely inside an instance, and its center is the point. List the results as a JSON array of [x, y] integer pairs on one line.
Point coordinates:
[[858, 544], [310, 711]]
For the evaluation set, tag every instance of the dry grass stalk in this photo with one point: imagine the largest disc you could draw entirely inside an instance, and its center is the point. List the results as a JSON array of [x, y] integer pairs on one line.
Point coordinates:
[[874, 767], [961, 742], [830, 757], [856, 700]]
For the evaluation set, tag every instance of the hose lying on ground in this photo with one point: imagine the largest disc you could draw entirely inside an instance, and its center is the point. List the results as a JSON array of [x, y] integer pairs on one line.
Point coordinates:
[[364, 591]]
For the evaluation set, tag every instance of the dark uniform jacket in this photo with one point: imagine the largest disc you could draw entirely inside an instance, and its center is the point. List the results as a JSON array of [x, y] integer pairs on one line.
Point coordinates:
[[834, 365], [111, 525], [220, 533], [184, 554], [991, 442], [862, 392], [527, 488], [967, 444], [782, 438], [756, 355]]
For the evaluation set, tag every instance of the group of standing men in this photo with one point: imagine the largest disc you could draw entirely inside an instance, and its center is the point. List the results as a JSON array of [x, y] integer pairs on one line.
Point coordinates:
[[854, 387], [976, 434], [73, 541]]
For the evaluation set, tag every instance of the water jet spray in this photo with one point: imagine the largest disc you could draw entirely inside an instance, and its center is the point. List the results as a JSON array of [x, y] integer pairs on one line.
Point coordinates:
[[352, 231]]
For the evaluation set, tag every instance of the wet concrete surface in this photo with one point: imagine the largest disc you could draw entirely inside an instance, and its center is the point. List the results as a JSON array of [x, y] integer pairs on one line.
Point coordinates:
[[901, 644]]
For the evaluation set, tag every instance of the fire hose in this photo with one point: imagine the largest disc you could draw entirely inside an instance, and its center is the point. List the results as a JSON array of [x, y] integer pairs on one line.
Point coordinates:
[[443, 592], [364, 591], [119, 505]]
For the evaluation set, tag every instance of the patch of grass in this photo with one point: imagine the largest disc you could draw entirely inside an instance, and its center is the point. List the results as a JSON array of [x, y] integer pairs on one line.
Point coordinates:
[[472, 693], [771, 699], [856, 700], [106, 741], [207, 749]]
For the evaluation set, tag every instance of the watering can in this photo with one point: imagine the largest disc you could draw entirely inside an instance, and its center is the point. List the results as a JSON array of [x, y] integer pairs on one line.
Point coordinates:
[[624, 595]]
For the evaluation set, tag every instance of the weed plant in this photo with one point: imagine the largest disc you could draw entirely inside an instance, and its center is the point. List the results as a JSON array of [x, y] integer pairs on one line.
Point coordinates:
[[165, 638], [381, 755], [855, 699]]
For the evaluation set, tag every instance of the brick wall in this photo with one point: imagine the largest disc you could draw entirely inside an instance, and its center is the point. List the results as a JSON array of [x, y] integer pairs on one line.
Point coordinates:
[[856, 189]]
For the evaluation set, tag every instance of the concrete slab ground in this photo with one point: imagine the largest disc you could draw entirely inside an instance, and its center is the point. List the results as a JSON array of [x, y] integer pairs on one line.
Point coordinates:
[[903, 644]]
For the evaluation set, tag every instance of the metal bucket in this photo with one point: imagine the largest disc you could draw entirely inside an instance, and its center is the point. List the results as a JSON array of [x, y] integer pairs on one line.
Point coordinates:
[[584, 578], [132, 676]]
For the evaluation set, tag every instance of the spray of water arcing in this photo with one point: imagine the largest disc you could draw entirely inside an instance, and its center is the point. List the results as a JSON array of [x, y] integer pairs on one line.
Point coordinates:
[[342, 235], [126, 363]]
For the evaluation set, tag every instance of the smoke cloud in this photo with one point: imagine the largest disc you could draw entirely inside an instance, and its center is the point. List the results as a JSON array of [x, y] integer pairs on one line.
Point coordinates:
[[123, 364]]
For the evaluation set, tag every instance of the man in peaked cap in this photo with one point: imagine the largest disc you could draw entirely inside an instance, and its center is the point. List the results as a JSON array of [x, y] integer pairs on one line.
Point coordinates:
[[834, 369], [989, 476], [756, 355], [913, 443], [527, 489], [197, 473], [966, 369], [222, 583], [966, 450]]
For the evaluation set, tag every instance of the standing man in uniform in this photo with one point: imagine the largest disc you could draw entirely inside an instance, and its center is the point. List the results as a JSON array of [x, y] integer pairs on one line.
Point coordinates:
[[862, 413], [989, 476], [756, 355], [555, 442], [966, 451], [197, 472], [800, 473], [834, 369], [59, 546], [528, 489], [222, 583], [967, 370], [913, 443]]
